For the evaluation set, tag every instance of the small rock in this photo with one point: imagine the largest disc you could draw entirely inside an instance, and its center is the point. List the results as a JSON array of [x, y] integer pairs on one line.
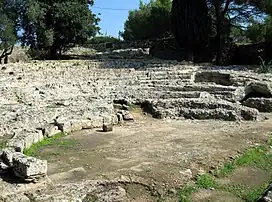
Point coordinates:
[[49, 130], [187, 173], [128, 116], [107, 127], [268, 197]]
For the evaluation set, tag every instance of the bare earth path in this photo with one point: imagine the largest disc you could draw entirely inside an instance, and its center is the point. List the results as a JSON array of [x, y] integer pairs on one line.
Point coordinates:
[[157, 151]]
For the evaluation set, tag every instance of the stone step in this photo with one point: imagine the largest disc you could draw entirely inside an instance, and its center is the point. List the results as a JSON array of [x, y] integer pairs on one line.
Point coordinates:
[[200, 108], [198, 87], [165, 82], [262, 104]]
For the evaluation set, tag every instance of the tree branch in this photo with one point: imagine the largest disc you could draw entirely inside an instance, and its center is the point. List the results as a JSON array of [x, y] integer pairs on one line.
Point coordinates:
[[226, 7]]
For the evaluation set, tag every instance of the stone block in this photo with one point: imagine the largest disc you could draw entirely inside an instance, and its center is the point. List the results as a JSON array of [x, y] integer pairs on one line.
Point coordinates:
[[17, 144], [107, 127], [128, 116], [97, 121], [28, 168], [50, 130], [262, 104]]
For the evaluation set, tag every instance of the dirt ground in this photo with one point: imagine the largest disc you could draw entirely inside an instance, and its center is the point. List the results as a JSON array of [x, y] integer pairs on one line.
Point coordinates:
[[159, 152]]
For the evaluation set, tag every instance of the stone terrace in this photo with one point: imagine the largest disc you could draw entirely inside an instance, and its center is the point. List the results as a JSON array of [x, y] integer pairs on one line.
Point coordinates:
[[44, 98]]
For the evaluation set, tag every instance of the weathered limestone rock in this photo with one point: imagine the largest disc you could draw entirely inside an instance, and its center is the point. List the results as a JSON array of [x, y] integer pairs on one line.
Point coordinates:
[[200, 109], [7, 156], [267, 195], [262, 104], [107, 194], [49, 130], [214, 77], [28, 168], [263, 88], [3, 166], [107, 127], [24, 139], [127, 116], [15, 197]]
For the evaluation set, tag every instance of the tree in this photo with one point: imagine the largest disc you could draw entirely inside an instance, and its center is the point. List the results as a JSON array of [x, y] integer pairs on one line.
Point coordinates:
[[256, 31], [228, 14], [150, 21], [9, 11], [191, 25], [56, 25]]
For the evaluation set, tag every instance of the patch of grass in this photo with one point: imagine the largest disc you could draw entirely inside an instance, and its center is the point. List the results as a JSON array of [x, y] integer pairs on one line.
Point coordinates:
[[244, 192], [257, 157], [205, 182], [56, 140], [186, 192], [3, 144], [225, 170]]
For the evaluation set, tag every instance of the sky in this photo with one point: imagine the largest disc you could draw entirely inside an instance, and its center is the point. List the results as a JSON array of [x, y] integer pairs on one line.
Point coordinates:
[[112, 21]]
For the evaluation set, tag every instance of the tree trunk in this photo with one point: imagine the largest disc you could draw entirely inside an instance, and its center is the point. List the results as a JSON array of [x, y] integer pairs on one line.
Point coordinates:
[[5, 54], [190, 56], [53, 53], [218, 32], [6, 60]]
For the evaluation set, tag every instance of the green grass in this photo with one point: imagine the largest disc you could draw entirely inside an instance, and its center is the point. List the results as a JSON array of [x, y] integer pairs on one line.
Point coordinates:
[[186, 192], [257, 157], [205, 182], [247, 193], [55, 141], [3, 144]]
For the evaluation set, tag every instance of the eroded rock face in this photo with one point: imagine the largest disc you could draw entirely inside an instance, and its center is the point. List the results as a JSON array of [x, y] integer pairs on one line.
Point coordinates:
[[28, 168], [262, 104], [53, 97], [194, 108]]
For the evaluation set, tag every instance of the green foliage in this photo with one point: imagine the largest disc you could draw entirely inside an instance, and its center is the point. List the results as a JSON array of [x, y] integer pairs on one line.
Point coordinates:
[[56, 25], [205, 181], [3, 144], [225, 170], [259, 31], [254, 157], [259, 157], [186, 192], [7, 32], [102, 39], [151, 20], [244, 192], [8, 26]]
